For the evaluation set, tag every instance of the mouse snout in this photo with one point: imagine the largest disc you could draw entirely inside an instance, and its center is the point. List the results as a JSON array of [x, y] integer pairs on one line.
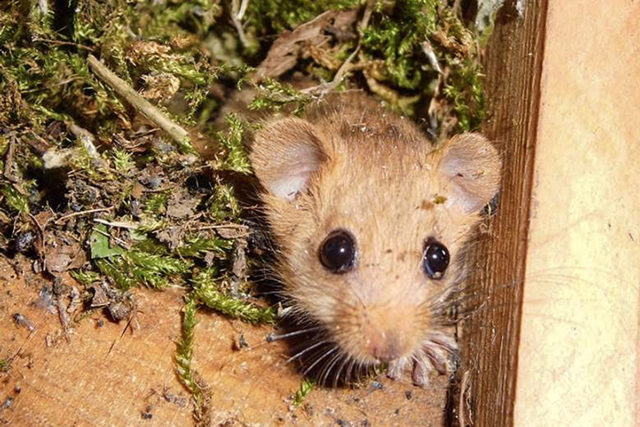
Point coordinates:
[[387, 337], [385, 349]]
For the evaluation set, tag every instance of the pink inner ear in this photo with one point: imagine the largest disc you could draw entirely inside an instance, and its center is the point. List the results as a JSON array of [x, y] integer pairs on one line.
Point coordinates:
[[294, 171]]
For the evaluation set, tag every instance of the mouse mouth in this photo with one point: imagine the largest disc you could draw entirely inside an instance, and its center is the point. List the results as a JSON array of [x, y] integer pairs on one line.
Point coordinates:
[[316, 353]]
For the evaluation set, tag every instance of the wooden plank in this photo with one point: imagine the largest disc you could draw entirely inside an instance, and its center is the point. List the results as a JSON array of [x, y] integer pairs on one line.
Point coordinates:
[[579, 351], [490, 336], [105, 377]]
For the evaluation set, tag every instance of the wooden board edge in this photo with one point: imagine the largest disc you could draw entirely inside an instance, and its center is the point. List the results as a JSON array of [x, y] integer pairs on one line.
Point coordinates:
[[484, 390]]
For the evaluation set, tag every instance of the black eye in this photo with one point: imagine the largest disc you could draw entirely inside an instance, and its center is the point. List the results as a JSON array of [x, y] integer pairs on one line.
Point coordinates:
[[338, 251], [436, 259]]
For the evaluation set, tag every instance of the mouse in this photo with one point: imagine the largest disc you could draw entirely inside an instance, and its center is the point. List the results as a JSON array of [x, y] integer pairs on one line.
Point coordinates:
[[371, 222]]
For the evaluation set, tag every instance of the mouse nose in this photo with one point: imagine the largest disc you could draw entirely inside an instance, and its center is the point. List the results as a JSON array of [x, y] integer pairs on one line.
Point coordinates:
[[388, 333], [385, 348]]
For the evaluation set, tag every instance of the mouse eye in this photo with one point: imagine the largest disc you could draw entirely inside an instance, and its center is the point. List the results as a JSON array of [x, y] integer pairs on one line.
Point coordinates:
[[338, 252], [436, 259]]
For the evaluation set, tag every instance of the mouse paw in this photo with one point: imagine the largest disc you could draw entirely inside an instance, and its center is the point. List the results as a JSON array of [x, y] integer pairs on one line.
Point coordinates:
[[438, 352], [396, 368]]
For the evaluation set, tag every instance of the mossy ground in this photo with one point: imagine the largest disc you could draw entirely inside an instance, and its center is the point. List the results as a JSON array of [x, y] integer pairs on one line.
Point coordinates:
[[90, 188]]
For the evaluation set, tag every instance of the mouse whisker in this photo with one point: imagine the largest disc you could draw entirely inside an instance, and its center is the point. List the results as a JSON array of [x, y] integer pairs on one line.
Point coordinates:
[[349, 370], [274, 337], [328, 353], [306, 350], [329, 366], [345, 361]]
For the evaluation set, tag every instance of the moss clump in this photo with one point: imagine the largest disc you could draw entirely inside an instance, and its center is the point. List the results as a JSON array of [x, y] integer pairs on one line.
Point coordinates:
[[206, 291], [274, 95], [236, 158], [306, 386], [418, 49], [184, 367], [14, 200], [135, 268]]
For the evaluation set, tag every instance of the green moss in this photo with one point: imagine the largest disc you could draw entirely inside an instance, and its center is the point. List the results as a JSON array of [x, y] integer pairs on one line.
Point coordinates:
[[275, 16], [184, 362], [122, 161], [205, 288], [306, 386], [406, 37], [87, 278], [223, 205], [236, 158], [156, 203], [396, 37], [274, 95], [195, 246], [135, 268], [14, 200], [465, 91]]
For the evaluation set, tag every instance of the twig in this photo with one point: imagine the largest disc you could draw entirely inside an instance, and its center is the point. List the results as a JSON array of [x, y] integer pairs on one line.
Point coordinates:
[[64, 43], [8, 163], [219, 226], [243, 9], [117, 224], [71, 215], [40, 228], [366, 15], [337, 79], [116, 239], [346, 66], [43, 145], [122, 88], [456, 7], [236, 18], [127, 326]]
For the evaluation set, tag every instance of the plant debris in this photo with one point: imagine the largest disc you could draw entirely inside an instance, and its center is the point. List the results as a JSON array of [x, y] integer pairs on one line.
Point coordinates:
[[306, 386], [122, 152]]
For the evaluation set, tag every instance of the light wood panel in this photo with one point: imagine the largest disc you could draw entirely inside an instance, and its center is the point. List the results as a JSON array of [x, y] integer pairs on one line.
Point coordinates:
[[578, 359]]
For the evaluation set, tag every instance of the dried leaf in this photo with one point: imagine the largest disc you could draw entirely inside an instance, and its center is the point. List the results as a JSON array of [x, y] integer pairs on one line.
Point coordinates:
[[285, 51]]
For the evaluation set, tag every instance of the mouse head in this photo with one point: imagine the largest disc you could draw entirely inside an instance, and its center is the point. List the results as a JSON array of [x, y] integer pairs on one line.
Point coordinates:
[[371, 223]]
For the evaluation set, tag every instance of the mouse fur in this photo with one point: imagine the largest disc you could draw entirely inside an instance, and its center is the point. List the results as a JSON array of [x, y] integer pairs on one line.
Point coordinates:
[[350, 164]]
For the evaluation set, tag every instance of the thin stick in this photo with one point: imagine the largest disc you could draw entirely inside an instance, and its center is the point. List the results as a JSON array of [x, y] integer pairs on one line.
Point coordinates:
[[8, 164], [122, 88], [117, 224], [323, 88], [90, 211], [236, 20], [243, 10], [215, 227], [116, 239]]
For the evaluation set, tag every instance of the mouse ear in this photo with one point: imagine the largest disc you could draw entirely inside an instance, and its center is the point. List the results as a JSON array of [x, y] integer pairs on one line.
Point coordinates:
[[471, 168], [285, 155]]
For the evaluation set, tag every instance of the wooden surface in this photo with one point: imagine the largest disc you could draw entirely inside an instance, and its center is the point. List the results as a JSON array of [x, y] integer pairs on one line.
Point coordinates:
[[490, 337], [578, 363], [104, 377]]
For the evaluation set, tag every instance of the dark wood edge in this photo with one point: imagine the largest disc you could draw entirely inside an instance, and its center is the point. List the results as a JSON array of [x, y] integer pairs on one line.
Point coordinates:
[[490, 335]]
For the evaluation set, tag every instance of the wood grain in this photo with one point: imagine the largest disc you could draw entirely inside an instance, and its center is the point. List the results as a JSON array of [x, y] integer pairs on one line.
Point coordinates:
[[578, 358], [491, 334], [102, 377]]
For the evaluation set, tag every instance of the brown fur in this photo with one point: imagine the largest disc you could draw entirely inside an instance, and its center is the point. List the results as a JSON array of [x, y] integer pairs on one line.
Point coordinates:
[[359, 167]]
